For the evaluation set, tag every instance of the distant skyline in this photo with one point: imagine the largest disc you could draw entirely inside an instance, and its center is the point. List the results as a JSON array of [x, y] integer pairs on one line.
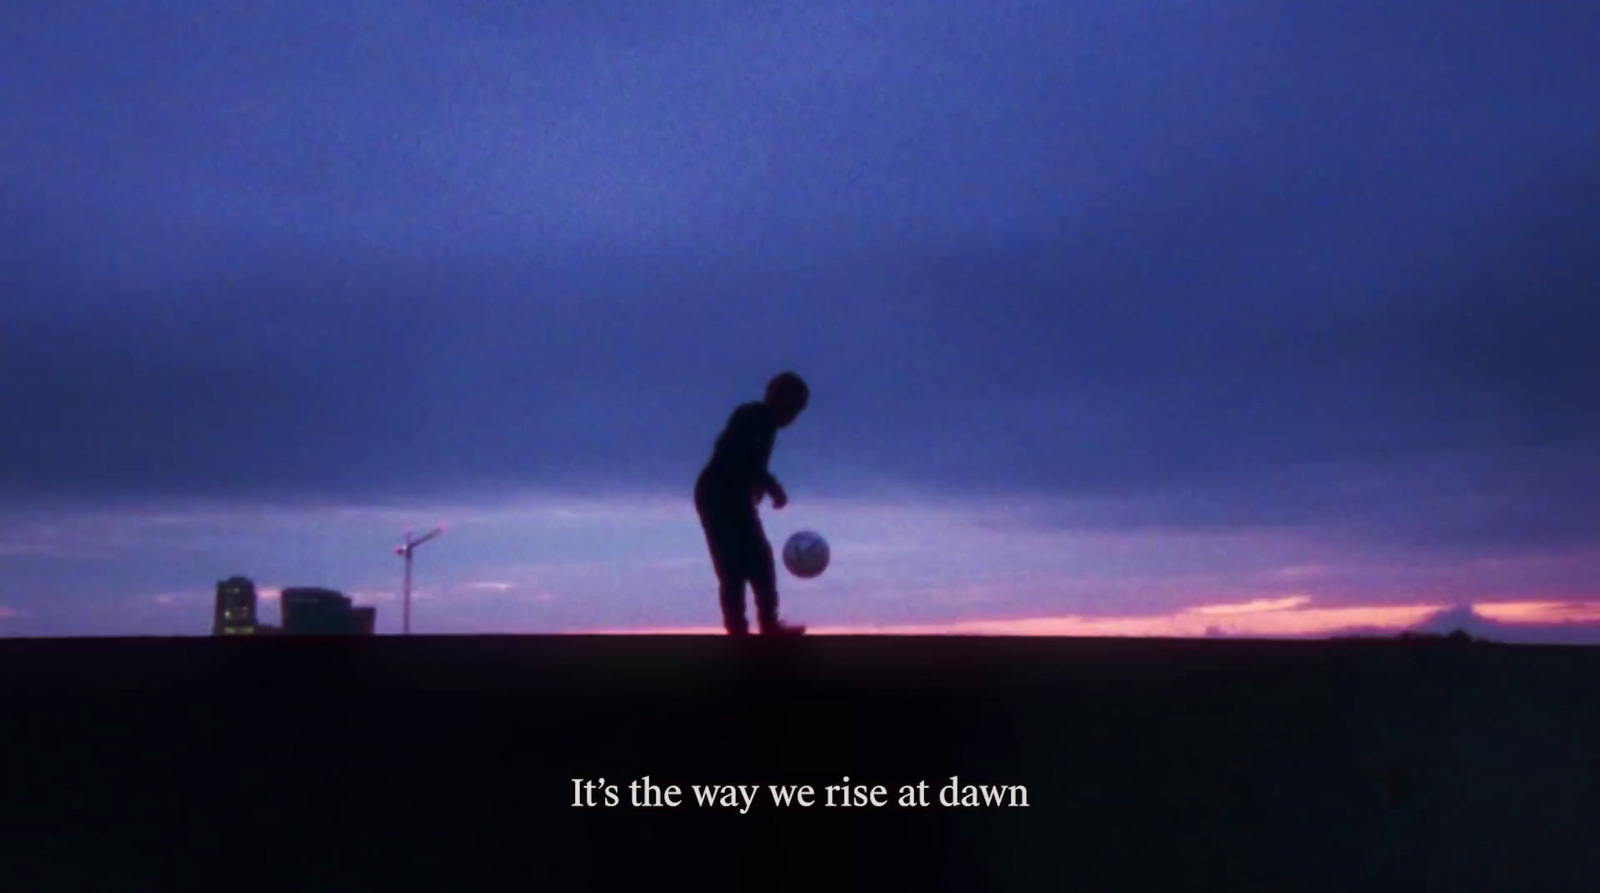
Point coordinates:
[[1241, 317]]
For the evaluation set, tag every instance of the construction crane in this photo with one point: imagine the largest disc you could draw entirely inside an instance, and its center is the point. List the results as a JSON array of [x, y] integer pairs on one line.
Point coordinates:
[[405, 552]]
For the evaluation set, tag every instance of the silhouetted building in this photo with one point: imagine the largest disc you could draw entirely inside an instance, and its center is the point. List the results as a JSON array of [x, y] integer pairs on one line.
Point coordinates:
[[366, 617], [235, 612], [309, 611]]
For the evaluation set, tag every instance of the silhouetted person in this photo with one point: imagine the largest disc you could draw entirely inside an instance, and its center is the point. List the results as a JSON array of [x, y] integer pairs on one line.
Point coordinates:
[[726, 496]]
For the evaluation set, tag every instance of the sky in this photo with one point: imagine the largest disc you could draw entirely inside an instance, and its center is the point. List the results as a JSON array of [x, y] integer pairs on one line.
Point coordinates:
[[1127, 318]]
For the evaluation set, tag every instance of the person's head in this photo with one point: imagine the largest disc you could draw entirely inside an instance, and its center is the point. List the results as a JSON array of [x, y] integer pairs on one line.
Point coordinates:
[[788, 395]]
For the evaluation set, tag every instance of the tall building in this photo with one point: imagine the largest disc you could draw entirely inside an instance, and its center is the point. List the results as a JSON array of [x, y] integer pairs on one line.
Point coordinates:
[[310, 611], [235, 612]]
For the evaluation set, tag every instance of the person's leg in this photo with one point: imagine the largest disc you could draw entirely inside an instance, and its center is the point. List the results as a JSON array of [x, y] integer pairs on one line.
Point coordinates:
[[730, 575], [747, 556], [763, 573], [764, 580], [733, 616]]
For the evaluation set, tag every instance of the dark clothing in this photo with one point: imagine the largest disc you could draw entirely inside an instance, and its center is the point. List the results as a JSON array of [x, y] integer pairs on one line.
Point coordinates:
[[740, 554], [739, 460], [725, 498]]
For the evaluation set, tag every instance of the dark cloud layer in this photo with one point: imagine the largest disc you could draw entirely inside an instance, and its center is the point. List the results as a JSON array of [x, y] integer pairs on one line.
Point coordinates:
[[1466, 620], [1254, 265]]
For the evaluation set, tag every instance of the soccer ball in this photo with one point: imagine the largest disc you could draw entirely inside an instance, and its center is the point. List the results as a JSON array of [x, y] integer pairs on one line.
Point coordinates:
[[806, 554]]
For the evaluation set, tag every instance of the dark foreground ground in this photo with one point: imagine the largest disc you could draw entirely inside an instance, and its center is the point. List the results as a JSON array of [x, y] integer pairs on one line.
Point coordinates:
[[447, 763]]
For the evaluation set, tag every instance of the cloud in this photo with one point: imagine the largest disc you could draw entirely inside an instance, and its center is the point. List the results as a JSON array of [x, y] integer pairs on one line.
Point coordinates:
[[1291, 617], [1536, 612], [1157, 326], [1175, 410], [1531, 622], [539, 563], [1256, 606], [37, 538]]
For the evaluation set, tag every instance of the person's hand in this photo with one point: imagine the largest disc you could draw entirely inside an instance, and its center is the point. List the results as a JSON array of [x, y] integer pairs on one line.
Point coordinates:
[[779, 498]]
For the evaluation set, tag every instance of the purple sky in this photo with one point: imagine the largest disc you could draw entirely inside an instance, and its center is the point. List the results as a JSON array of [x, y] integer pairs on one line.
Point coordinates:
[[1113, 312]]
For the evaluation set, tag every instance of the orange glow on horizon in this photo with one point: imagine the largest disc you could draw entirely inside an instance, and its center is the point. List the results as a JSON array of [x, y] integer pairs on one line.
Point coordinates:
[[1539, 612], [1264, 618]]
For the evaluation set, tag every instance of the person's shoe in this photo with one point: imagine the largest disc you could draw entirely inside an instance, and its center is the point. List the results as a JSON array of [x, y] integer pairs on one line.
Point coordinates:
[[779, 628]]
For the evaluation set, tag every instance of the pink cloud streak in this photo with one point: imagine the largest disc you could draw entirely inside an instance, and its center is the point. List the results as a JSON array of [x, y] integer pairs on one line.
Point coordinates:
[[1288, 617]]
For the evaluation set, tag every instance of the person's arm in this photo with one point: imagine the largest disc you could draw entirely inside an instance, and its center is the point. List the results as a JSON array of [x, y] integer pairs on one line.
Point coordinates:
[[769, 484], [763, 435], [775, 489], [765, 483]]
